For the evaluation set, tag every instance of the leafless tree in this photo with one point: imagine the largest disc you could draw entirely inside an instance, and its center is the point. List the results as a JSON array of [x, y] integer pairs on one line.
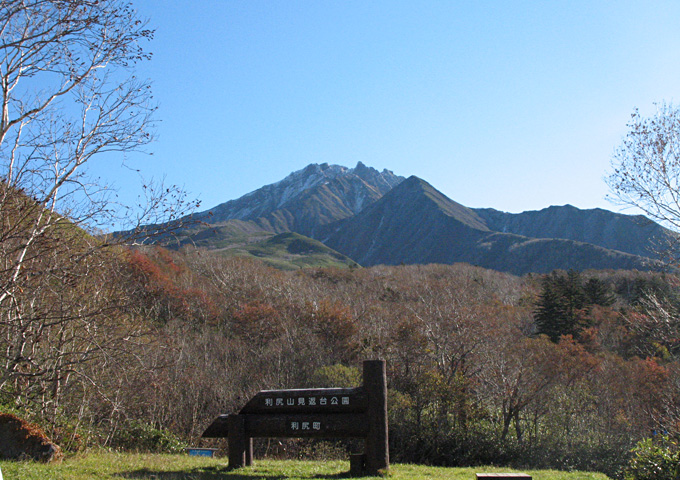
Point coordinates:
[[646, 170], [69, 94]]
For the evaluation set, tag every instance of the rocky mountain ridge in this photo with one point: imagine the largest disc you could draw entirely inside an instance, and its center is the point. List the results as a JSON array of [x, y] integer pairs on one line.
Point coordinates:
[[315, 195], [380, 218]]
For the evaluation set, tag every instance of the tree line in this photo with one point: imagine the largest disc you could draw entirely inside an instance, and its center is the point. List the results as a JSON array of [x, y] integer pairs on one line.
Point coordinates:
[[566, 370]]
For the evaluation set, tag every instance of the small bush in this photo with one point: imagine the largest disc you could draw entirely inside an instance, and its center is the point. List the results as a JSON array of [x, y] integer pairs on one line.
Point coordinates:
[[141, 437], [324, 450], [654, 460]]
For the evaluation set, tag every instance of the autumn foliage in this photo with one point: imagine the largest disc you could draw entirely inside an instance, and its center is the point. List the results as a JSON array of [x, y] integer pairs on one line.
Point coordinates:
[[472, 379]]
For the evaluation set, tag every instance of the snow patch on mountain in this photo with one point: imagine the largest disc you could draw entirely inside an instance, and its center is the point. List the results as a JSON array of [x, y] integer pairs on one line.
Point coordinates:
[[366, 185], [302, 180]]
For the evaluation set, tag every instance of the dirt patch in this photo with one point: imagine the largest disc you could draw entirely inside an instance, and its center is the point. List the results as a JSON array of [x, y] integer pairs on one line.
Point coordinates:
[[20, 440]]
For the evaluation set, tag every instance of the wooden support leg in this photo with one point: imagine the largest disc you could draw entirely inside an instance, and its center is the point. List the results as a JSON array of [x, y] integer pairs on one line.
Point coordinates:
[[249, 452], [236, 437], [377, 449], [357, 464]]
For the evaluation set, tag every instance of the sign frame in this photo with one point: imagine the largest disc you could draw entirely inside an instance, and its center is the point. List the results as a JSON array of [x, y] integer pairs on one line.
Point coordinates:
[[314, 413]]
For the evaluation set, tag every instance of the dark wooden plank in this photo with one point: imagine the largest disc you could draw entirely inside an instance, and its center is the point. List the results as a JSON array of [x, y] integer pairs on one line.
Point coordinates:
[[281, 425], [311, 400], [218, 429], [310, 426]]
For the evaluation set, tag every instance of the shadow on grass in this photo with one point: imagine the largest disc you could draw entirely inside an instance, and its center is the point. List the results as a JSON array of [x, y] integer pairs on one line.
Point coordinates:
[[215, 473]]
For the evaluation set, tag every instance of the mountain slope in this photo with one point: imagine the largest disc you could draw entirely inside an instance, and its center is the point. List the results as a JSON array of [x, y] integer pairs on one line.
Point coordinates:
[[521, 255], [633, 234], [414, 223], [290, 251]]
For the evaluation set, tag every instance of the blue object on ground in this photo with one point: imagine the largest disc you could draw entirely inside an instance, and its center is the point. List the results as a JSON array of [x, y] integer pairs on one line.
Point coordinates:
[[197, 452]]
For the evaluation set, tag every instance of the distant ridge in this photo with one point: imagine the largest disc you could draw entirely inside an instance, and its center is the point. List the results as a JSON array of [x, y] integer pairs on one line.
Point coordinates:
[[415, 223], [376, 217], [597, 226]]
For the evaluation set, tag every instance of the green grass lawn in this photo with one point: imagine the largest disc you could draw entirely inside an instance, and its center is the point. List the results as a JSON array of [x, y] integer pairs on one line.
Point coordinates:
[[102, 466]]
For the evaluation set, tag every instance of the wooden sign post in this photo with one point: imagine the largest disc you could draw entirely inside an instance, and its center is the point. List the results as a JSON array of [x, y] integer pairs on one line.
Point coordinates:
[[314, 413]]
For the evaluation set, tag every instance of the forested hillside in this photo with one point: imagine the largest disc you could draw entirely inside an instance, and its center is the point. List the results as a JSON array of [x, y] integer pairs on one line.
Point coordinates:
[[566, 370]]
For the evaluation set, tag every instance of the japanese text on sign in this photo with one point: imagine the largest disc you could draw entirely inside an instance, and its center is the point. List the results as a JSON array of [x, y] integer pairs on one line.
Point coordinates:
[[295, 425], [305, 401]]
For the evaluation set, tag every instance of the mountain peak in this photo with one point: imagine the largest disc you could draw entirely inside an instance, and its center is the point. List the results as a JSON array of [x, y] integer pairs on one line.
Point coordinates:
[[316, 194], [418, 190], [416, 182]]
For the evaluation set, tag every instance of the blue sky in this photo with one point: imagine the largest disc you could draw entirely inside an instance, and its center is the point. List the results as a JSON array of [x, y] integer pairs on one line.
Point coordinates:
[[514, 105]]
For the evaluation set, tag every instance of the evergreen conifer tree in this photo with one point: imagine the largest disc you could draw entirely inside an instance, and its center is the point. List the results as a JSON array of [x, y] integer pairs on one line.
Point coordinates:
[[565, 301]]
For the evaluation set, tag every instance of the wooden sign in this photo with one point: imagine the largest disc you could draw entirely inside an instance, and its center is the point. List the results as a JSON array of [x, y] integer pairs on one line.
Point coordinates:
[[314, 413], [318, 400]]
